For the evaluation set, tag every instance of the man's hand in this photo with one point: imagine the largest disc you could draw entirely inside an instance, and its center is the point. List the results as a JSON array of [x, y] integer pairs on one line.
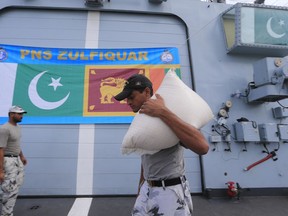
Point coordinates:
[[23, 159], [153, 107], [2, 174]]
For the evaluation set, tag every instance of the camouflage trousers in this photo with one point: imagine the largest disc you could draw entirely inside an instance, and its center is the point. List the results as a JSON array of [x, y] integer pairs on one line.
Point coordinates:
[[167, 201], [14, 176]]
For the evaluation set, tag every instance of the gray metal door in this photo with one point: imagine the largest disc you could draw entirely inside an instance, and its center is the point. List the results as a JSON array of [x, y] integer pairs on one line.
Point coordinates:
[[86, 159]]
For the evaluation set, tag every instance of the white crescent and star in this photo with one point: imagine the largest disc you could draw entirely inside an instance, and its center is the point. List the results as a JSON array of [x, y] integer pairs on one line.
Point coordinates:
[[40, 102], [270, 30], [55, 83]]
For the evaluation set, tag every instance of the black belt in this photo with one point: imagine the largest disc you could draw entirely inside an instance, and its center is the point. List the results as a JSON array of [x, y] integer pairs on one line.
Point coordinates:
[[10, 155], [167, 182]]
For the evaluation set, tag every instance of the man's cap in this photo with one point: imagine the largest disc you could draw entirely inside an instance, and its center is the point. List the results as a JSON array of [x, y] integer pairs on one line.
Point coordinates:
[[136, 81], [16, 109]]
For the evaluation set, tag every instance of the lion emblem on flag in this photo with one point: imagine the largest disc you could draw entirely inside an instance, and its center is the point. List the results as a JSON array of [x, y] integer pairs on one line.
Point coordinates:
[[110, 87]]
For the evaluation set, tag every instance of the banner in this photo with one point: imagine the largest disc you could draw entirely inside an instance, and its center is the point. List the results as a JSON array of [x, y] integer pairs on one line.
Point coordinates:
[[67, 86]]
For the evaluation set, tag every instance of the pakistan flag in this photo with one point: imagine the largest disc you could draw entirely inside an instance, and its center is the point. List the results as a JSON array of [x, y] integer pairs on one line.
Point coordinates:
[[271, 26], [50, 90]]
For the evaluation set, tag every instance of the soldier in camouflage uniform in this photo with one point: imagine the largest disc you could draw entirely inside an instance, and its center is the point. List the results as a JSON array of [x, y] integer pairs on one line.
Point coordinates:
[[12, 160]]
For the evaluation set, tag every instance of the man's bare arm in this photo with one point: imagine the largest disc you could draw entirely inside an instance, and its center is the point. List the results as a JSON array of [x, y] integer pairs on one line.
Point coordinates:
[[2, 173]]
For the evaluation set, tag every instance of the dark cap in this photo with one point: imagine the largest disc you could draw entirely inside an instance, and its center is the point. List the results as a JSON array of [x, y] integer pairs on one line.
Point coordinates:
[[136, 81]]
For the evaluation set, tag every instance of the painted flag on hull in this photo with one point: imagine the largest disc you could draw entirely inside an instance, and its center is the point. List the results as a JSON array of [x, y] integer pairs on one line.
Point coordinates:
[[271, 27], [59, 91], [264, 26]]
